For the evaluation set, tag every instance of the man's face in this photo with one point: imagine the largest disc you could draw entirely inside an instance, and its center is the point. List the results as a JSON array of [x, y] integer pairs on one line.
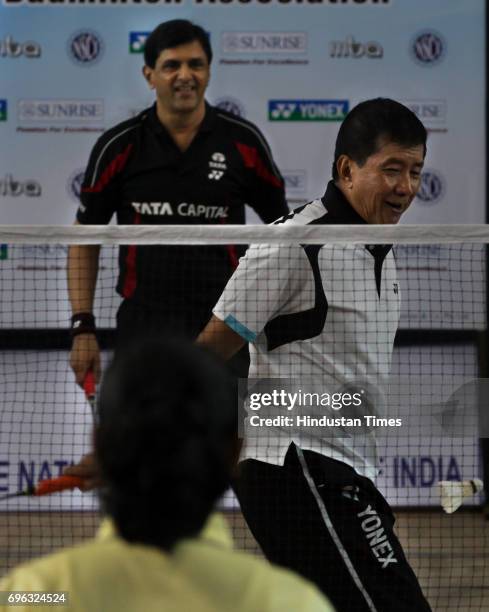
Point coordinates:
[[180, 77], [383, 188]]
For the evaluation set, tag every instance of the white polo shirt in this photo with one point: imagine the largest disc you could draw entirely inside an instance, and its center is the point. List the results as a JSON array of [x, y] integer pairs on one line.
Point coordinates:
[[323, 312]]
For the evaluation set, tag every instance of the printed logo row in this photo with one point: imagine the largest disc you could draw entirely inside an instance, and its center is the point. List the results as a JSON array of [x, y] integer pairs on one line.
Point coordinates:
[[432, 190], [42, 112], [86, 47]]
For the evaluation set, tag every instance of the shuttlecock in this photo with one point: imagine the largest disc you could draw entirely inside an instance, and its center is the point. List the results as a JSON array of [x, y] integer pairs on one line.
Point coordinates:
[[452, 493]]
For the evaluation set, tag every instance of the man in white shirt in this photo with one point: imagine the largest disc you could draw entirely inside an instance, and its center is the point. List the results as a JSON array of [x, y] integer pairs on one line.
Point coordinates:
[[329, 313]]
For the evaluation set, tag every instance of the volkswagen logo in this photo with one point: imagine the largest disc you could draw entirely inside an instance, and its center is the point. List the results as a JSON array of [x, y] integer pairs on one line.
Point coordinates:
[[432, 187], [428, 48], [85, 47], [75, 183]]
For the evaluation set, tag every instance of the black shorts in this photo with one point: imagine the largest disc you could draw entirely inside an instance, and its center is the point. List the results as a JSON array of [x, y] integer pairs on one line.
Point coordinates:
[[318, 517]]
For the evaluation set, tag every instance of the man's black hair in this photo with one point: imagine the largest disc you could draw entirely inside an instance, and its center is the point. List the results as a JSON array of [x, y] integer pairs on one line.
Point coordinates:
[[165, 441], [170, 34], [370, 123]]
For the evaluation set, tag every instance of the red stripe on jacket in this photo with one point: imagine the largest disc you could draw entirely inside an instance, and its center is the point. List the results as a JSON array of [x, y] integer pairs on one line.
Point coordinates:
[[130, 280], [253, 160], [115, 166]]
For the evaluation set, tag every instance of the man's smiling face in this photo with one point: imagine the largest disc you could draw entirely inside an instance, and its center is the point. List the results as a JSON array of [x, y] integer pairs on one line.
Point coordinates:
[[180, 78], [382, 189]]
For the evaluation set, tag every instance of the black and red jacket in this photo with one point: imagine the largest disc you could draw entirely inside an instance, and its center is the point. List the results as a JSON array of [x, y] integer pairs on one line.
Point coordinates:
[[137, 172]]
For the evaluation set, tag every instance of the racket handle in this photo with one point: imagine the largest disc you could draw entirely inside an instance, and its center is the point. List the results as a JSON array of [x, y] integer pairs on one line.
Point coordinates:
[[53, 485], [89, 383]]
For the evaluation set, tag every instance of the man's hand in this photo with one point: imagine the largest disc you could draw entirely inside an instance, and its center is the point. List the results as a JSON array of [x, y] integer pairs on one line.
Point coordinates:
[[84, 356], [87, 469]]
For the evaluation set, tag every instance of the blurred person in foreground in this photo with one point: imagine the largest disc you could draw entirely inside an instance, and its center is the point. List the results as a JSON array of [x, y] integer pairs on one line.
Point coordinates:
[[165, 447]]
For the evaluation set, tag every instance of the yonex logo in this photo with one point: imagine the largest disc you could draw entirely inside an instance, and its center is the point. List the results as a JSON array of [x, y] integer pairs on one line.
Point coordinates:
[[432, 187], [85, 47], [137, 40], [307, 110], [377, 539], [3, 110], [217, 165], [428, 48], [231, 105]]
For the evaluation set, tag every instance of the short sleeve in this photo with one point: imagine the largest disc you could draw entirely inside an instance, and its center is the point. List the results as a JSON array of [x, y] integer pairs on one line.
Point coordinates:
[[267, 279], [100, 192]]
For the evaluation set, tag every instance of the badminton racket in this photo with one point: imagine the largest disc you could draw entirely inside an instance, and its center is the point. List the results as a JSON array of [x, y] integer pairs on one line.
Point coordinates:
[[48, 486]]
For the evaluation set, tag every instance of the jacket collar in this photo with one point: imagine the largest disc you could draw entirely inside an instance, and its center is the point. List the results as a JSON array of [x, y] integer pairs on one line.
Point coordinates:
[[339, 208], [158, 128]]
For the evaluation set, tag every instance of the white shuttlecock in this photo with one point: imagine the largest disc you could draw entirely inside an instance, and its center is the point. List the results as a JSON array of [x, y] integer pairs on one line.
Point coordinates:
[[452, 493]]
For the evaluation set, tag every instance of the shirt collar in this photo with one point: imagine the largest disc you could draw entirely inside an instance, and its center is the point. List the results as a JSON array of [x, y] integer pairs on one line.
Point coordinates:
[[338, 206], [158, 128], [342, 212], [215, 531]]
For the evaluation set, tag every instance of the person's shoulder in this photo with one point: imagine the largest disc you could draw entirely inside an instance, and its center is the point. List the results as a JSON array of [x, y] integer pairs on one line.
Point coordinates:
[[239, 124], [84, 564], [292, 592], [49, 572], [123, 133], [274, 589], [312, 213]]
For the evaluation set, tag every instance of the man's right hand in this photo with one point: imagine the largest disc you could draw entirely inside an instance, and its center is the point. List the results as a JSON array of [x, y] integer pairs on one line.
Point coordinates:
[[84, 356], [88, 470]]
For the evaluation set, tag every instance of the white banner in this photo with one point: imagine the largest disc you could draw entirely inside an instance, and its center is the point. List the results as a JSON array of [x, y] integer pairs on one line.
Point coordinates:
[[46, 423], [73, 69]]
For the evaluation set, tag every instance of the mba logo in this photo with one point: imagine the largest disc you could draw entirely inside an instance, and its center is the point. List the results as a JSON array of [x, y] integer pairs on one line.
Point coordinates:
[[307, 110], [3, 110], [137, 40], [10, 48], [428, 48], [11, 187], [351, 48], [85, 47], [432, 187]]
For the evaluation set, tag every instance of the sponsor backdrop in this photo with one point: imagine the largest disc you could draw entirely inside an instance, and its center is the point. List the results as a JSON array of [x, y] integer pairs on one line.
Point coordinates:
[[72, 68]]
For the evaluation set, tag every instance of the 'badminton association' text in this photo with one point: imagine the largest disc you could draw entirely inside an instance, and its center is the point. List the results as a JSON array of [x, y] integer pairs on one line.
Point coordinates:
[[209, 2]]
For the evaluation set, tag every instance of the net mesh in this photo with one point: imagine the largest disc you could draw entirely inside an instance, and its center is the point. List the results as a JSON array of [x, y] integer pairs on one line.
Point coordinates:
[[332, 314]]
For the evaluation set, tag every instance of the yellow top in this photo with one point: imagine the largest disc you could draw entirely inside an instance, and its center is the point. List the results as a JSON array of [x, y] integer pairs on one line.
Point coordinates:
[[107, 574]]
